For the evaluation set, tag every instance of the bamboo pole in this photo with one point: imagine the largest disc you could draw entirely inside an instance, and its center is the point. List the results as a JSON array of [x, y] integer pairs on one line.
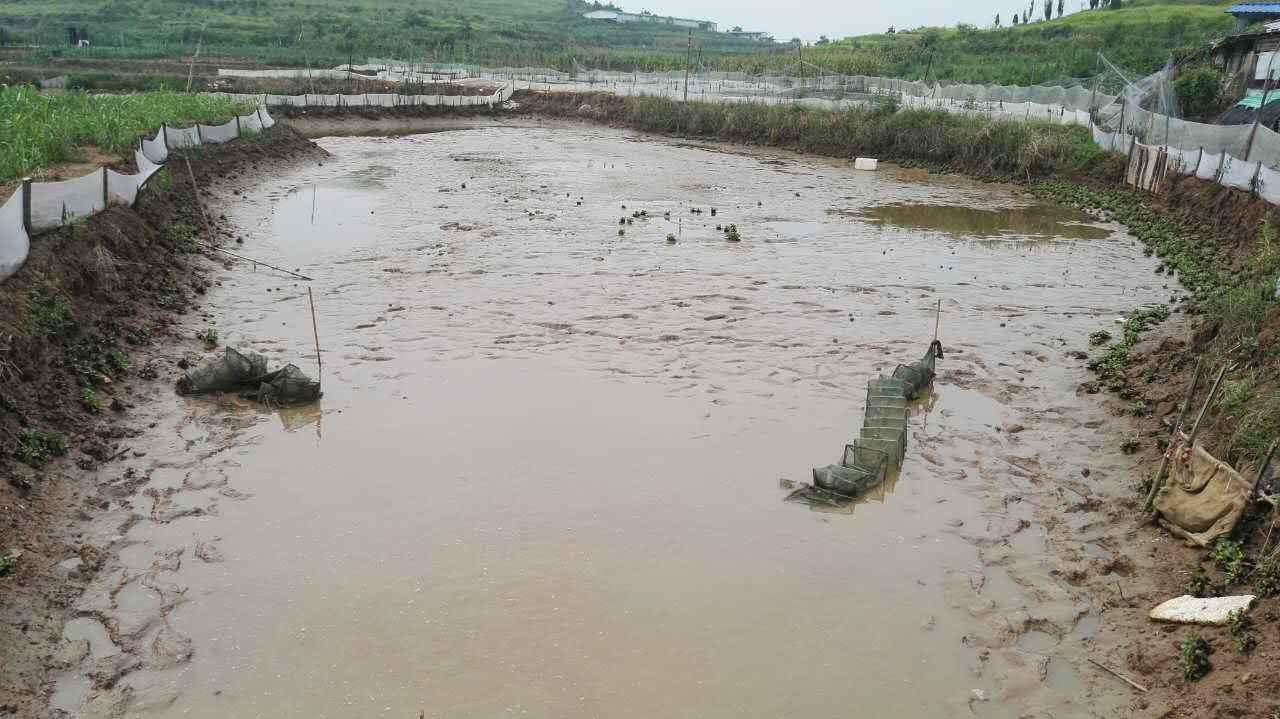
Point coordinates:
[[315, 333], [1186, 405]]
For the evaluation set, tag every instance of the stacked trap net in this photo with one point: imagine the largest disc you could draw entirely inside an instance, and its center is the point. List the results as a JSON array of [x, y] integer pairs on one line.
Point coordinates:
[[882, 444]]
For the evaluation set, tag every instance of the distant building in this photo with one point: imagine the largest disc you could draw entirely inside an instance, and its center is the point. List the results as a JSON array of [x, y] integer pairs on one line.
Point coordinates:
[[1249, 13], [749, 35], [620, 16]]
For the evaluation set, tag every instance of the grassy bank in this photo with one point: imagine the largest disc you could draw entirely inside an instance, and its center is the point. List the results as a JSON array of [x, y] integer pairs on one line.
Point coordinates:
[[932, 138], [37, 130]]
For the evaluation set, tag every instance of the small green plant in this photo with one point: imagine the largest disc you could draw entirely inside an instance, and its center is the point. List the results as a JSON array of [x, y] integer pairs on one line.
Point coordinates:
[[1266, 578], [6, 565], [48, 314], [1229, 557], [1193, 657], [1138, 408], [731, 233], [1198, 585], [1099, 337], [117, 362], [1242, 634], [38, 446], [209, 336], [89, 399], [183, 237], [671, 238]]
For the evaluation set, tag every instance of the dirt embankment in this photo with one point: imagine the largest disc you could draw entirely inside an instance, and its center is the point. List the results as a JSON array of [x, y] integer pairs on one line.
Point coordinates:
[[1226, 225], [88, 314]]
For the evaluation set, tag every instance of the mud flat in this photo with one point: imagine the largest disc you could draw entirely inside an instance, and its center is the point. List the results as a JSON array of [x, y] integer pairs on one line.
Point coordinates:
[[544, 478]]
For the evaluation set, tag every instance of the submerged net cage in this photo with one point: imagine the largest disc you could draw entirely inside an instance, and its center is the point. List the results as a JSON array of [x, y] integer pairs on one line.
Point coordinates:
[[881, 445]]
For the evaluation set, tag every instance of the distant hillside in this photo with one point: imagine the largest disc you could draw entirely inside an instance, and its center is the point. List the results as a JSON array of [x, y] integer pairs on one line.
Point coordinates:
[[507, 32], [1141, 36]]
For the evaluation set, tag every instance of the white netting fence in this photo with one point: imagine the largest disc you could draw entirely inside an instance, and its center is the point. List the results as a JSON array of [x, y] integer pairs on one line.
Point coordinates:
[[40, 206], [381, 100]]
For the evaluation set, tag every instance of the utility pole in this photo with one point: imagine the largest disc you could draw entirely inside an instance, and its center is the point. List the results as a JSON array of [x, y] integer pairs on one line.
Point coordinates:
[[688, 57]]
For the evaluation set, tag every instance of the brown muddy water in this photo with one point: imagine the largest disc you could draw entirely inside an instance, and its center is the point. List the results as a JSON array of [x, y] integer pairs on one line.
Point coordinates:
[[544, 479]]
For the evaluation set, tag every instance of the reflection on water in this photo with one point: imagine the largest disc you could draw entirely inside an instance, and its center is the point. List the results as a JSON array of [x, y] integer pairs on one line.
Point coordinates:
[[1036, 222]]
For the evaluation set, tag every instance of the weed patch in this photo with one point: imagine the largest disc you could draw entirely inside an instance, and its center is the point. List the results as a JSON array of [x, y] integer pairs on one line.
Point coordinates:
[[37, 447]]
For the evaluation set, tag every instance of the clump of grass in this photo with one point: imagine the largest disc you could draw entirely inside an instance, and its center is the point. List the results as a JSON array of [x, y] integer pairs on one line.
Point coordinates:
[[1228, 557], [731, 233], [1193, 657], [36, 447], [1099, 337], [117, 362], [671, 238], [89, 399], [48, 314], [1242, 632], [209, 337]]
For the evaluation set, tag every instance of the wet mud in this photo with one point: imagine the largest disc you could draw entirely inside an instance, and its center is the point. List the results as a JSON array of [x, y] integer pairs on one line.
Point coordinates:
[[544, 478]]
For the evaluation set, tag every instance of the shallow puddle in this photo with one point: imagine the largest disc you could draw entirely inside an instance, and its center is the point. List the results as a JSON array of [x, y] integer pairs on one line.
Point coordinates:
[[544, 478], [1033, 223]]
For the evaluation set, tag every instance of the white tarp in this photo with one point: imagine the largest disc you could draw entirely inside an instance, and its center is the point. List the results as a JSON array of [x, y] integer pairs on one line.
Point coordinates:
[[1208, 167], [121, 189], [185, 137], [219, 134], [14, 243], [1238, 174], [155, 150], [54, 204], [1269, 185]]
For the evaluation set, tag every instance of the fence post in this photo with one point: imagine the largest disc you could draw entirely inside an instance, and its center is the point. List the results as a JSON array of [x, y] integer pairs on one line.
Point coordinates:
[[1222, 162], [1198, 159], [164, 132], [199, 137], [26, 204], [237, 126], [1253, 184], [258, 111], [104, 187]]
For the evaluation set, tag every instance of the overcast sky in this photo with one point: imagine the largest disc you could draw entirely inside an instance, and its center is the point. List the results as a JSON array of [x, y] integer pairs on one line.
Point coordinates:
[[835, 18]]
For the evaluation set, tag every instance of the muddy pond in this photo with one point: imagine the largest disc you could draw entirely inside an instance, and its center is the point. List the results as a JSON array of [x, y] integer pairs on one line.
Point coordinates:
[[544, 479]]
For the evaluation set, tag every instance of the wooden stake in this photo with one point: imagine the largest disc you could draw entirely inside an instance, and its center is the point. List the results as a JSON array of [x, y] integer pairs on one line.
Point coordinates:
[[1177, 426], [315, 333], [937, 320]]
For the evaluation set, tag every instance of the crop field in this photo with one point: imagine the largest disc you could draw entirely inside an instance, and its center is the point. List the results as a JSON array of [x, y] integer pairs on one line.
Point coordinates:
[[38, 130]]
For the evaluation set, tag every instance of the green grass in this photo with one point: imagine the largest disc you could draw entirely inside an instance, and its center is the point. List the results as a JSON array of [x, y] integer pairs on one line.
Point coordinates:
[[37, 131], [974, 145], [38, 446], [1193, 657], [553, 33]]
